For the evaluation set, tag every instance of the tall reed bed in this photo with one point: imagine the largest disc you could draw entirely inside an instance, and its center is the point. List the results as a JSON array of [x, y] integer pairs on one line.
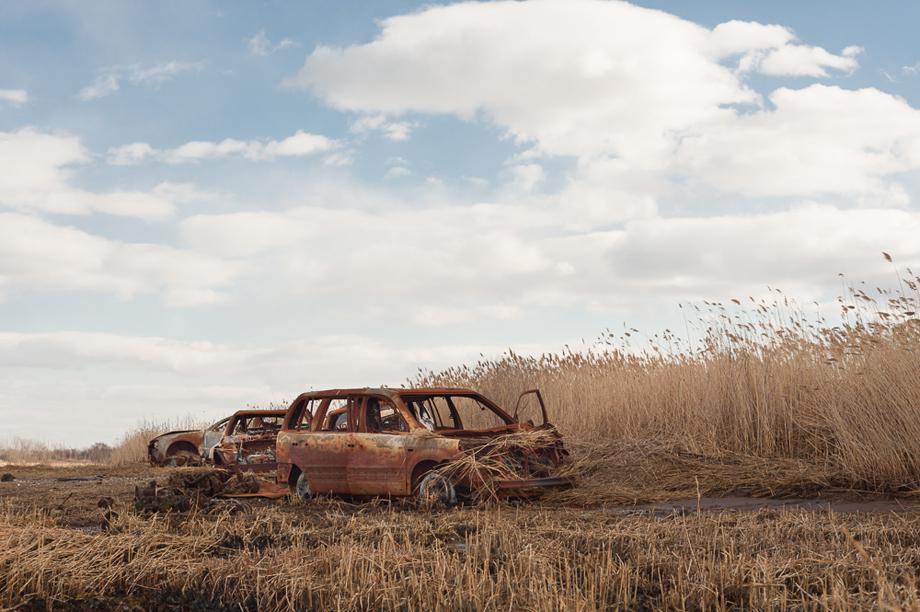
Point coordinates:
[[763, 378]]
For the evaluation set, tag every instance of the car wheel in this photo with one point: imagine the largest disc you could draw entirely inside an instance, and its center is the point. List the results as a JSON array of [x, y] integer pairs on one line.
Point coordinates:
[[302, 488], [436, 491]]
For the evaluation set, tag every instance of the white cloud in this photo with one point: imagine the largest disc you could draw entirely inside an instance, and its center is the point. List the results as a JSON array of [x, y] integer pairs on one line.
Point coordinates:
[[108, 80], [16, 97], [815, 140], [299, 144], [130, 154], [802, 60], [396, 131], [260, 45], [38, 173], [599, 79], [35, 254], [600, 83], [773, 50]]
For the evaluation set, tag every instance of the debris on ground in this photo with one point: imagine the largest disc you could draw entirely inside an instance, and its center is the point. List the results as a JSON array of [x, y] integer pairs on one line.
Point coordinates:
[[7, 477], [199, 488]]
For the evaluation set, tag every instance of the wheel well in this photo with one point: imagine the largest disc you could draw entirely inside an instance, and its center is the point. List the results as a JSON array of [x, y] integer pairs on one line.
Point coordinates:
[[421, 468], [175, 447], [294, 475]]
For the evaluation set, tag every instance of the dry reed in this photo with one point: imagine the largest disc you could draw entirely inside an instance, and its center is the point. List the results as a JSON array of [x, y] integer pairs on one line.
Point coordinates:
[[765, 382]]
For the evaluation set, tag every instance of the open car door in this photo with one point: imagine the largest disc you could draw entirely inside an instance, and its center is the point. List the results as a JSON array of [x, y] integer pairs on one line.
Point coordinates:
[[531, 409]]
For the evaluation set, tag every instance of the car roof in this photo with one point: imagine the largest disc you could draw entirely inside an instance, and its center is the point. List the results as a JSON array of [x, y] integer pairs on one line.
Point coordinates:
[[389, 392], [256, 412]]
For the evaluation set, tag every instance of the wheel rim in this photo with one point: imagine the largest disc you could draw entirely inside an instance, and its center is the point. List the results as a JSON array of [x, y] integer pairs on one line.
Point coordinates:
[[436, 490], [302, 488]]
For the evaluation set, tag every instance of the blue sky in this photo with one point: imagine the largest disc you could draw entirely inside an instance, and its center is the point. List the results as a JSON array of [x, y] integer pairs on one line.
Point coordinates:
[[206, 205]]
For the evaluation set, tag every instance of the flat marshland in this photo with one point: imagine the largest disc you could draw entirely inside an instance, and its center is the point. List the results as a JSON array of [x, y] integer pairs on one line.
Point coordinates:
[[763, 401]]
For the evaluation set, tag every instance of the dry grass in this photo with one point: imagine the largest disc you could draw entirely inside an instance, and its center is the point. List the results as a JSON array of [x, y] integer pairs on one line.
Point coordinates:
[[765, 382], [330, 555]]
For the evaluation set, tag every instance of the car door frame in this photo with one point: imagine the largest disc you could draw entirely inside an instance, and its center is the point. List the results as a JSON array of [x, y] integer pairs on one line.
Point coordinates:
[[324, 455], [380, 462]]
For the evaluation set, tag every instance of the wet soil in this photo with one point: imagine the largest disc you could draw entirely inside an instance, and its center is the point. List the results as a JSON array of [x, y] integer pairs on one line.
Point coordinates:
[[73, 493]]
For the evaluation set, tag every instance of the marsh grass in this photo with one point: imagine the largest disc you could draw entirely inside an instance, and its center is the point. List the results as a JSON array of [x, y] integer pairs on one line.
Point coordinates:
[[764, 381]]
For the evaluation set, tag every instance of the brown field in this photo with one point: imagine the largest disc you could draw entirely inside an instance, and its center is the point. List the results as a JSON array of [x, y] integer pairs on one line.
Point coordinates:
[[766, 403]]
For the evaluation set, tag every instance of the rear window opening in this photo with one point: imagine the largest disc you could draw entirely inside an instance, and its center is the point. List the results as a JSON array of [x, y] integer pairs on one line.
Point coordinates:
[[454, 412]]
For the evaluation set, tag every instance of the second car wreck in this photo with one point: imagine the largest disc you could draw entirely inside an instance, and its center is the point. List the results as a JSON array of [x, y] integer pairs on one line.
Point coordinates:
[[432, 443], [243, 441]]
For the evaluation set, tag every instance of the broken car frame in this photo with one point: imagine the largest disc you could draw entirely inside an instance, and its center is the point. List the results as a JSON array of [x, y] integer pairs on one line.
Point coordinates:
[[395, 442], [243, 440]]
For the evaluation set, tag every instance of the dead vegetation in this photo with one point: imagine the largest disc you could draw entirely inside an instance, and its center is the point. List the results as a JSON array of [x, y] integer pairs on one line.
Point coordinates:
[[768, 394], [333, 555]]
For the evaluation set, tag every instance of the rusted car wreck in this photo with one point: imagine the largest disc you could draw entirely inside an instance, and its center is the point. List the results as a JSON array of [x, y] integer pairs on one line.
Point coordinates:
[[405, 442], [245, 440]]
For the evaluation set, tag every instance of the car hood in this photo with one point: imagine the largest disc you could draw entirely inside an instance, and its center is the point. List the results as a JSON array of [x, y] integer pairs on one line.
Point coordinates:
[[176, 433]]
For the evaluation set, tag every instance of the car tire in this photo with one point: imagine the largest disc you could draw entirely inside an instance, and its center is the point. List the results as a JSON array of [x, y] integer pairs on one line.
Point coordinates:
[[302, 488], [435, 491]]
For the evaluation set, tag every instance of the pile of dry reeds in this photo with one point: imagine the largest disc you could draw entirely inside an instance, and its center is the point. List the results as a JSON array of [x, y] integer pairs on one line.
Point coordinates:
[[767, 380], [495, 459]]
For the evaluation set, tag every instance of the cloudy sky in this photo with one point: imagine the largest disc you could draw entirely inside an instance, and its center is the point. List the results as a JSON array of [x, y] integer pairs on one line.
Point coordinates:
[[205, 205]]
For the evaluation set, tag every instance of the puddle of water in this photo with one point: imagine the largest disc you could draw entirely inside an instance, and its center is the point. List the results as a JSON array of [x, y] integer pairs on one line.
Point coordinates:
[[750, 504]]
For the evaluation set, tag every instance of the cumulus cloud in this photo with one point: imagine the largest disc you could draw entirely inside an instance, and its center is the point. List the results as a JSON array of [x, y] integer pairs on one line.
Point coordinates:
[[260, 45], [299, 144], [16, 97], [600, 78], [600, 83], [108, 80], [36, 254], [38, 176]]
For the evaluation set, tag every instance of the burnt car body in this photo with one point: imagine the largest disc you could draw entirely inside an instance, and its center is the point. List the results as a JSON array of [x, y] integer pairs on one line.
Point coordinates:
[[393, 442], [247, 441], [184, 447], [244, 440]]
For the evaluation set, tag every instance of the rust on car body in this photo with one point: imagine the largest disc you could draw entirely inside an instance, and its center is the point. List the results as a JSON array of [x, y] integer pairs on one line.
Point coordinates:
[[370, 442]]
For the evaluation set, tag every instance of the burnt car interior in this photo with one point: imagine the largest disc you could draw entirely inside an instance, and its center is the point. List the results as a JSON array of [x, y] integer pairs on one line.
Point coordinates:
[[256, 425], [381, 416]]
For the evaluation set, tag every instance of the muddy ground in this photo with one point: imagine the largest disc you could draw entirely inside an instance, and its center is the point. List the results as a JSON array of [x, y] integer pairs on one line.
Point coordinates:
[[72, 495]]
